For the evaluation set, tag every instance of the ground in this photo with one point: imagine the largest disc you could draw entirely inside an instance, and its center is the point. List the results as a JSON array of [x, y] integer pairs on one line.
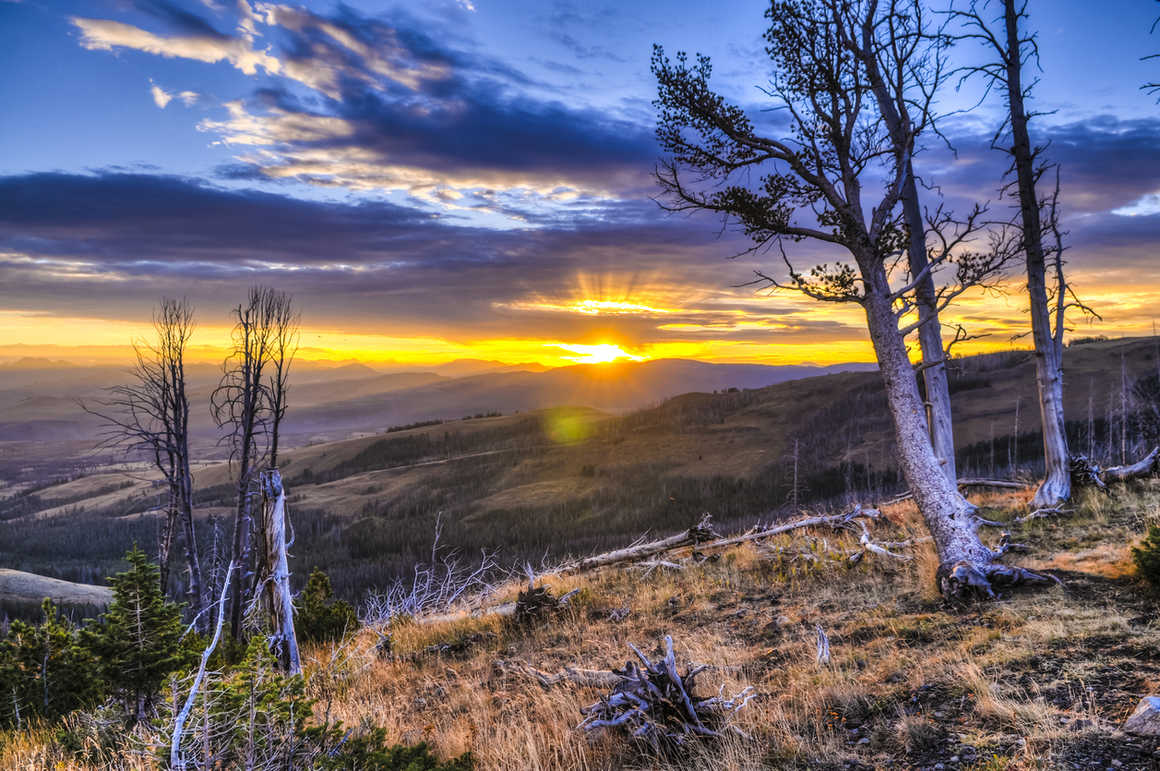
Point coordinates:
[[1039, 679]]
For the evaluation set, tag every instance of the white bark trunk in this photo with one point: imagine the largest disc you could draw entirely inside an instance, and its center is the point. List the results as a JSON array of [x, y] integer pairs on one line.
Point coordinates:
[[279, 600], [1056, 486], [964, 560]]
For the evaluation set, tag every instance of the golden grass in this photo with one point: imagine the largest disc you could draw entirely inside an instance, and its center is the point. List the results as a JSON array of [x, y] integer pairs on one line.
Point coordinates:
[[1023, 681]]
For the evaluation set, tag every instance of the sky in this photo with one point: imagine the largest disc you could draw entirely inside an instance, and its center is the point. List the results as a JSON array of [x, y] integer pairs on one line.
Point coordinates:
[[473, 178]]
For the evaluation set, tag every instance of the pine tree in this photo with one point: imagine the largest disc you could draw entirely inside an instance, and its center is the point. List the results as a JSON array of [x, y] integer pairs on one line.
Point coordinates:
[[44, 670], [320, 617], [138, 640]]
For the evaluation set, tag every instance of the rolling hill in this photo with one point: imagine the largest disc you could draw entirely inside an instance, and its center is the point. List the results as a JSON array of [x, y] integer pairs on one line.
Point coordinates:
[[560, 480]]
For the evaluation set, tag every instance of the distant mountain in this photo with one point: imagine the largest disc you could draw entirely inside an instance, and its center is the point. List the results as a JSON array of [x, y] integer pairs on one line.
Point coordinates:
[[613, 387], [469, 367], [35, 363]]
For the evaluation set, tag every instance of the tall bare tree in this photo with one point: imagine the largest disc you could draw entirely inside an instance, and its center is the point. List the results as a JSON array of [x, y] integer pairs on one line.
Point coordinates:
[[905, 64], [242, 405], [287, 326], [811, 183], [150, 416], [1000, 29]]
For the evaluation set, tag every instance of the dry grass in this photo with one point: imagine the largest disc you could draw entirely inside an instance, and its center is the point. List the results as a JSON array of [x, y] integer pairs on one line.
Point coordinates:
[[1039, 679]]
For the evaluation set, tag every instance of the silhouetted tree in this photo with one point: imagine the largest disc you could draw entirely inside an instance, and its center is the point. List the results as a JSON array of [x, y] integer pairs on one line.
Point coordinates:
[[250, 402], [150, 416], [1009, 48]]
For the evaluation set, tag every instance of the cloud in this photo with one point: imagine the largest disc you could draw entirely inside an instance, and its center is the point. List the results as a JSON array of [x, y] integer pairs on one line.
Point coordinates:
[[108, 35], [160, 97], [404, 106]]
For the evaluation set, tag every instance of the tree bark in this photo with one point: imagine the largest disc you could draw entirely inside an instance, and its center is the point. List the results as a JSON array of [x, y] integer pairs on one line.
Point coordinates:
[[1056, 486], [279, 600], [895, 113], [965, 562], [934, 373]]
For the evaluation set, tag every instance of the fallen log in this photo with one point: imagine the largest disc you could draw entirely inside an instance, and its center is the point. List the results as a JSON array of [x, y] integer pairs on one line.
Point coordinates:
[[1146, 466], [695, 535]]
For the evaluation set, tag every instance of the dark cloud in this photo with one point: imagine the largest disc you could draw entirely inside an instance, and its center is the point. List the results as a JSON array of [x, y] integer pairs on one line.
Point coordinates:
[[426, 112], [179, 19], [117, 241]]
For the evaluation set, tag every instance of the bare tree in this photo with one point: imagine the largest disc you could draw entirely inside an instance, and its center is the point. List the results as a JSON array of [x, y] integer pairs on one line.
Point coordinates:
[[243, 404], [287, 324], [1011, 49], [150, 416], [812, 182], [905, 68]]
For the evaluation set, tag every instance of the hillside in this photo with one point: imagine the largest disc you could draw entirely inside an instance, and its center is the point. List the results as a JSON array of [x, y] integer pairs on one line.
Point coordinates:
[[1040, 679], [564, 481]]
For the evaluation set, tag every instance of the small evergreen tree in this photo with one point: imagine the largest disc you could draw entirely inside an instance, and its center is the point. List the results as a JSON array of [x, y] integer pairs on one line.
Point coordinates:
[[138, 639], [44, 670], [1147, 557], [320, 617]]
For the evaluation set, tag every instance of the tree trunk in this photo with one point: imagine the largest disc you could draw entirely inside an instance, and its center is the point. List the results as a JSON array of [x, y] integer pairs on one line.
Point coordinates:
[[934, 373], [192, 559], [965, 562], [1056, 485], [279, 600], [895, 113], [243, 525]]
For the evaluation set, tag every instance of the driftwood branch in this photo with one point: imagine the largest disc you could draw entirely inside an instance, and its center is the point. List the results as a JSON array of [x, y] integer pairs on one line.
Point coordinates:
[[700, 533], [1146, 466]]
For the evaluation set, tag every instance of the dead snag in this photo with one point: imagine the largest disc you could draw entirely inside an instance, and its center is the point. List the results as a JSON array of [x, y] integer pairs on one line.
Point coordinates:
[[656, 704]]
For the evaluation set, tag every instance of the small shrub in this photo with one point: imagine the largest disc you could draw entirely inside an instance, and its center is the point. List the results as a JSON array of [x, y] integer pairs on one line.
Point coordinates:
[[320, 617], [369, 751], [1147, 557], [45, 670]]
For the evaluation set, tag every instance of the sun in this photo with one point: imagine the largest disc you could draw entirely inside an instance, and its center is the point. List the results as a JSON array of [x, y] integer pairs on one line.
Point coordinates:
[[596, 354]]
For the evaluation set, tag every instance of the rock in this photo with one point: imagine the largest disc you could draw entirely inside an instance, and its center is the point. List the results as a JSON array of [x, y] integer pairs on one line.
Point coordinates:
[[1145, 721]]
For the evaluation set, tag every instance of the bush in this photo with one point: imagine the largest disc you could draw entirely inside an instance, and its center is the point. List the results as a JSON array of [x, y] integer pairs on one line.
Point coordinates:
[[369, 751], [45, 671], [319, 617], [1147, 557], [256, 716]]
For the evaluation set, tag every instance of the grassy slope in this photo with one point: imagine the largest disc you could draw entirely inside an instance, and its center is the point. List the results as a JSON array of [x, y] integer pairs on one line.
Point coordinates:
[[1037, 680], [1040, 679]]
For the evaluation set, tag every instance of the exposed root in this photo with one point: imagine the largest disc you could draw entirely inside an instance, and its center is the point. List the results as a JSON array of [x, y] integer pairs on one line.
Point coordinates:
[[966, 581], [656, 705]]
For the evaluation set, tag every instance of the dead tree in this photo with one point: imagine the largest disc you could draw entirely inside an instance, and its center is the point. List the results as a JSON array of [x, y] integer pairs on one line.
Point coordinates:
[[150, 416], [275, 583], [1009, 49], [241, 404], [811, 183], [657, 705], [286, 322], [904, 61]]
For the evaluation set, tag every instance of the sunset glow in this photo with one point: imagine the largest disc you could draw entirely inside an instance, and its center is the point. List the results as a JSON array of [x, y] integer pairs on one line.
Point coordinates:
[[596, 354], [425, 197]]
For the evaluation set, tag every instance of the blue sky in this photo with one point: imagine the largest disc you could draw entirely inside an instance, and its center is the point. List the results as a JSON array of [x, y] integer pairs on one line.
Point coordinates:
[[464, 170]]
